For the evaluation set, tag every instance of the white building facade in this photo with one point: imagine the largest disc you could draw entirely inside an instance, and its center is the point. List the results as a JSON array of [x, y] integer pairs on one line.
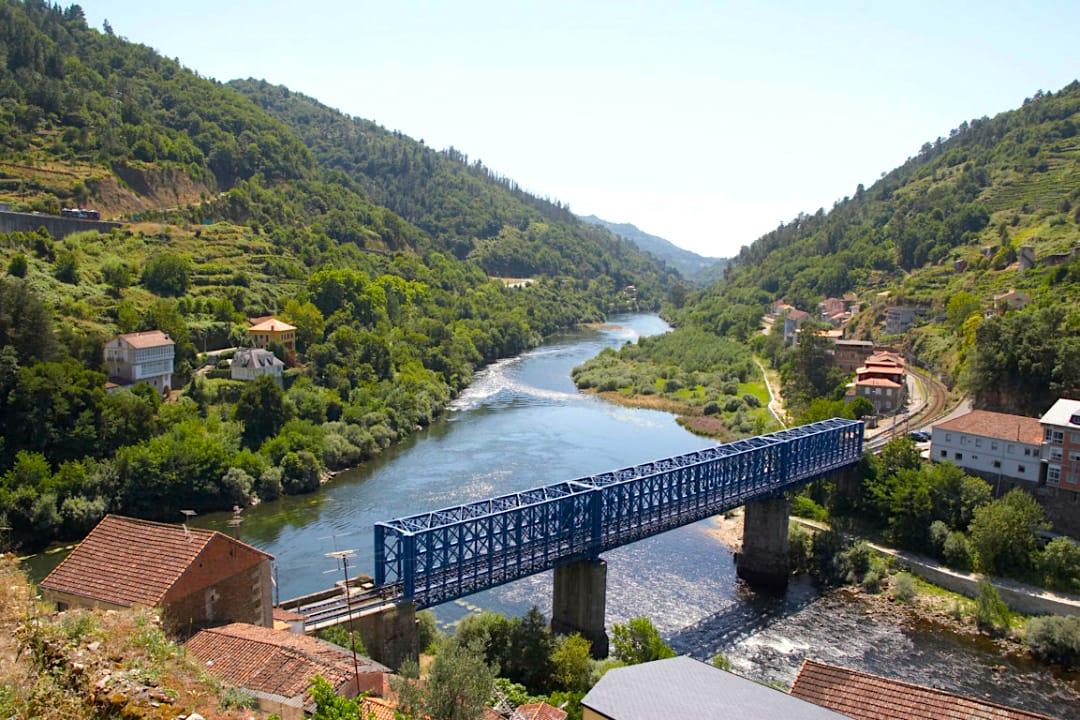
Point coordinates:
[[1002, 448], [252, 363], [141, 357]]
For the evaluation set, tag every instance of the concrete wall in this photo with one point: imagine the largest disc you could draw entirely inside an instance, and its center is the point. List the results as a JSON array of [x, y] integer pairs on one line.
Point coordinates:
[[227, 583], [58, 227], [389, 633], [1019, 597]]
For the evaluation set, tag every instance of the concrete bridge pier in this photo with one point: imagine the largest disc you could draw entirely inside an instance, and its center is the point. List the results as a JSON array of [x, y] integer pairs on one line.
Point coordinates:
[[763, 560], [389, 633], [579, 601]]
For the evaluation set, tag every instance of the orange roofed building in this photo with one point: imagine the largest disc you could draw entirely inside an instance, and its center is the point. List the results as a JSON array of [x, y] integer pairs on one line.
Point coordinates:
[[863, 696], [883, 381], [265, 331], [197, 577], [278, 667]]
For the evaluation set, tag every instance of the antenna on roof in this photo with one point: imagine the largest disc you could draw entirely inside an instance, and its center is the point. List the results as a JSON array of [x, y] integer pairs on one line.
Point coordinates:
[[188, 514]]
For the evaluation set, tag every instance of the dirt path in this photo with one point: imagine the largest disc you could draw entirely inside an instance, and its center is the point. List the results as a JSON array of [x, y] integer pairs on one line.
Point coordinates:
[[776, 400]]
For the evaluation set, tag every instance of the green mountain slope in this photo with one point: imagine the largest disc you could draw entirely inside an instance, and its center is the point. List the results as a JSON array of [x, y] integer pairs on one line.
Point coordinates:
[[693, 267], [464, 206], [943, 233], [232, 216]]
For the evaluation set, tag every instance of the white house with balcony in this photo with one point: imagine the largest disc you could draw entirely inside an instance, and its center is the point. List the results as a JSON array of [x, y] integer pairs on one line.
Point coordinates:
[[1001, 448], [1061, 447], [142, 357], [252, 363]]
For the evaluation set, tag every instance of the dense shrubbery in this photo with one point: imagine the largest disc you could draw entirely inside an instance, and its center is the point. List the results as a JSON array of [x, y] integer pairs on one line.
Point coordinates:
[[688, 366], [1054, 638]]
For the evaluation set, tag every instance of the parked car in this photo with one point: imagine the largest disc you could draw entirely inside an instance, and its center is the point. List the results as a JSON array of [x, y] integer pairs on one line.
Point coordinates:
[[919, 435]]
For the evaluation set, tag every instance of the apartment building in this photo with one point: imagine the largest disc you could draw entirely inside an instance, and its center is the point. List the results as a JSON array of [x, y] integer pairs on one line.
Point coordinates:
[[1001, 448], [1061, 446]]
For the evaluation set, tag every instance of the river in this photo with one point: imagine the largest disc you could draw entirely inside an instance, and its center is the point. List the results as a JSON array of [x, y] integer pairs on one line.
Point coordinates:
[[522, 423]]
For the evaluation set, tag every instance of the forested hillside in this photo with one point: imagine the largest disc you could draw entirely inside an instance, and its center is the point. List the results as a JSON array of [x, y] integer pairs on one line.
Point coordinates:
[[695, 268], [943, 233], [231, 216], [470, 210]]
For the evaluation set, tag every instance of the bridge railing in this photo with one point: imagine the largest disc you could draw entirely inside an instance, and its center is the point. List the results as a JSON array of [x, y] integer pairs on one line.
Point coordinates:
[[439, 556]]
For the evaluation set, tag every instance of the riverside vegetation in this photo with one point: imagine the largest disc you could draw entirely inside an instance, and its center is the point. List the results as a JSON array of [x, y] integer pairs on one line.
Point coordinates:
[[379, 249]]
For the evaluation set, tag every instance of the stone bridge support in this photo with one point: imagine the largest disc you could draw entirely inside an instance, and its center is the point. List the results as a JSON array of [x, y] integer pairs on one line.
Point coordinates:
[[389, 633], [579, 601], [763, 560]]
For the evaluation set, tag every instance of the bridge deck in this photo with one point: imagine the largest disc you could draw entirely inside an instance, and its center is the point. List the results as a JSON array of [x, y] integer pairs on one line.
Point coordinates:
[[435, 557]]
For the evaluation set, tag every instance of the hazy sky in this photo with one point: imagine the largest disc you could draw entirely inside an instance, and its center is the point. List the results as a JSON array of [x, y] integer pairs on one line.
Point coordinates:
[[705, 123]]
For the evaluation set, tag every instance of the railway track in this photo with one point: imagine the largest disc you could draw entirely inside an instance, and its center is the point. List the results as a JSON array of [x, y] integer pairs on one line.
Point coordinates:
[[936, 406]]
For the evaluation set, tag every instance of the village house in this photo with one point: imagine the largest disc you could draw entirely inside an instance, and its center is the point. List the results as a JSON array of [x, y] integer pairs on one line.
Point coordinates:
[[1061, 447], [682, 688], [850, 355], [253, 363], [197, 577], [142, 357], [831, 306], [862, 696], [899, 319], [1001, 448], [1011, 300], [793, 318], [265, 331], [882, 380], [278, 667]]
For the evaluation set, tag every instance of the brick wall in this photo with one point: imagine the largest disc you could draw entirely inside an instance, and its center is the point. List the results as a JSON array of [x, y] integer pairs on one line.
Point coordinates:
[[227, 583]]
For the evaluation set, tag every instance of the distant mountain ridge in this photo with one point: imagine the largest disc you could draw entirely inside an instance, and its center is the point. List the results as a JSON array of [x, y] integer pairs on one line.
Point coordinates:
[[690, 265]]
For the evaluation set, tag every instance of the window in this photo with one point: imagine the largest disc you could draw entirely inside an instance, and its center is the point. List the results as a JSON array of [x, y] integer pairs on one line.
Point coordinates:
[[959, 456], [997, 463], [978, 442], [1057, 437], [1011, 448], [1027, 452], [993, 445], [948, 437], [944, 453], [1055, 454], [1021, 469], [1053, 473]]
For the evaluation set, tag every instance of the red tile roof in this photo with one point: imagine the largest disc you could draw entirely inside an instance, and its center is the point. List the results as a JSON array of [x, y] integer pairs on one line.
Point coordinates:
[[878, 382], [271, 325], [150, 338], [127, 562], [287, 615], [1002, 426], [279, 662], [540, 711], [379, 709], [863, 696]]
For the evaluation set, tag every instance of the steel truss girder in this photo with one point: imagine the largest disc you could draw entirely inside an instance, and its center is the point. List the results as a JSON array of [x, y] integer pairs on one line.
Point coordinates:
[[446, 554]]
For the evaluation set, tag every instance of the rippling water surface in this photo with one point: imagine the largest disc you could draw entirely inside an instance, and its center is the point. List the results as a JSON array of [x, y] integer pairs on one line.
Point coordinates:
[[522, 423]]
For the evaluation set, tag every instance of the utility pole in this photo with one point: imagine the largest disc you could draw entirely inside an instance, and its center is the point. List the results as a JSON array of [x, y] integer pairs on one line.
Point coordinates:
[[343, 556]]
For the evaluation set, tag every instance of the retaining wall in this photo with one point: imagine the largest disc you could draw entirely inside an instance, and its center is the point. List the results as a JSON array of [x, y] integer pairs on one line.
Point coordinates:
[[58, 227]]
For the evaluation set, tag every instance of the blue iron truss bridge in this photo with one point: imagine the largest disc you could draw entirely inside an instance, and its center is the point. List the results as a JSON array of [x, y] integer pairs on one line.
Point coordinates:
[[435, 557]]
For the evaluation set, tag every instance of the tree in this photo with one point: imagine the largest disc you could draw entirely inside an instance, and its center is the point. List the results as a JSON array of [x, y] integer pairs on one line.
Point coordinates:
[[1003, 533], [117, 275], [262, 409], [458, 685], [66, 268], [860, 407], [24, 322], [308, 320], [18, 266], [991, 613], [1059, 562], [639, 641], [572, 663], [331, 706], [300, 472], [167, 274], [531, 647], [961, 306]]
